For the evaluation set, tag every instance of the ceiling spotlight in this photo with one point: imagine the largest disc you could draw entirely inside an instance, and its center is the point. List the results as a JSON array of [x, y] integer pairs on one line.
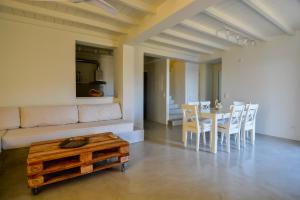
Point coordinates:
[[236, 37]]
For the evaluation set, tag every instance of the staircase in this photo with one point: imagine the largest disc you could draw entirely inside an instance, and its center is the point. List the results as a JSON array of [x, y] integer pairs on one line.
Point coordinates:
[[175, 113]]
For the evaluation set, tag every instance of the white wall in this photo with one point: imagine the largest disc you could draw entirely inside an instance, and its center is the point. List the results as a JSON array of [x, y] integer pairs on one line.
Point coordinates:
[[205, 82], [216, 72], [37, 64], [171, 80], [268, 74], [178, 76], [191, 82], [209, 81], [157, 86], [184, 81]]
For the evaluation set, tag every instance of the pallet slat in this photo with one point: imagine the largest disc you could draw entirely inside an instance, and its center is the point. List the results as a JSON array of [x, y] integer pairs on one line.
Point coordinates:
[[61, 154], [68, 164], [46, 167]]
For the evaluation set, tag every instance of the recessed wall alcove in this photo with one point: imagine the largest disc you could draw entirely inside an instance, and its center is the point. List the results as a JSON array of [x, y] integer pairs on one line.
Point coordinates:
[[94, 71]]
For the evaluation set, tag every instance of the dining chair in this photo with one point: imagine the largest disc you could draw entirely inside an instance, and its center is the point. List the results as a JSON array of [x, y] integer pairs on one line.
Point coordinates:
[[204, 105], [195, 103], [205, 124], [232, 125], [190, 123], [248, 124], [238, 103]]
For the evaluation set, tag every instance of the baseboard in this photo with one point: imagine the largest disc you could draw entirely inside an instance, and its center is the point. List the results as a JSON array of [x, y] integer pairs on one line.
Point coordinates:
[[278, 137], [133, 137], [176, 122]]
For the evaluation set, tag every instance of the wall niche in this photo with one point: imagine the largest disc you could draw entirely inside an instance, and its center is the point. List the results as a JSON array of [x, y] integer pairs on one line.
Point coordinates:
[[94, 71]]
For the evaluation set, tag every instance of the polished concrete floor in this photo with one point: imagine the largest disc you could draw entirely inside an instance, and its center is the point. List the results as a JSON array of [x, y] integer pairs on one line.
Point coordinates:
[[160, 168]]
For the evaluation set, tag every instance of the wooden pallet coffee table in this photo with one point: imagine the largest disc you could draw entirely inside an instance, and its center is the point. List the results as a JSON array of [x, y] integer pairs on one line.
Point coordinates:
[[48, 163]]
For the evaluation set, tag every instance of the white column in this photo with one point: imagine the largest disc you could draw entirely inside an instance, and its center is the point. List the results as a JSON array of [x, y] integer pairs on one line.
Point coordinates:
[[125, 79]]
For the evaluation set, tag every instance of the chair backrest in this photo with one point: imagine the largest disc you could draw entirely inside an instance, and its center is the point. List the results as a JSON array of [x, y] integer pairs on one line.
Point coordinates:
[[204, 105], [238, 103], [190, 116], [195, 103], [236, 116], [251, 111]]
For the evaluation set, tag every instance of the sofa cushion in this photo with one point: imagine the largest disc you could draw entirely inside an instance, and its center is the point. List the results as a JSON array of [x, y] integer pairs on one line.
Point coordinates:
[[9, 118], [23, 137], [48, 115], [99, 112]]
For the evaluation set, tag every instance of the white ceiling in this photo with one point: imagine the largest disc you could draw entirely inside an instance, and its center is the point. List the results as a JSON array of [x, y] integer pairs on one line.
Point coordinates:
[[83, 15], [261, 20]]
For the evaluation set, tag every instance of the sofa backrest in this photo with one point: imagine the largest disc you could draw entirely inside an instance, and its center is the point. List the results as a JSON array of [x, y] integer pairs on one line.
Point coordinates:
[[9, 118], [99, 112], [33, 116], [48, 115]]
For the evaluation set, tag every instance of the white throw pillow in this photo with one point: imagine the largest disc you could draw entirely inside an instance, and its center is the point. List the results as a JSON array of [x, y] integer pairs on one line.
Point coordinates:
[[99, 112], [48, 115], [9, 118]]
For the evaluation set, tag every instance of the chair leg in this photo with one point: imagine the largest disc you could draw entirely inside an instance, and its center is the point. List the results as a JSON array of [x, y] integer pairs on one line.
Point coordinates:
[[184, 137], [197, 141], [244, 137], [252, 136], [238, 135], [222, 138], [203, 137], [228, 142], [191, 136], [209, 134]]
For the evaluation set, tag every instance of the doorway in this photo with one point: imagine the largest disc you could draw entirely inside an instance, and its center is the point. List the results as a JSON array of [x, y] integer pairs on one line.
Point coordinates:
[[145, 93], [156, 89]]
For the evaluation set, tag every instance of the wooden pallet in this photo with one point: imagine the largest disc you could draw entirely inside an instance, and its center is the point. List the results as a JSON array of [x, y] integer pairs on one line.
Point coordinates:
[[47, 163]]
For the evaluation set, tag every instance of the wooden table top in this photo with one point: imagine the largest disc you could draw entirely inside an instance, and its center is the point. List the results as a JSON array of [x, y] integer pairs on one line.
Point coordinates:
[[47, 150], [216, 111]]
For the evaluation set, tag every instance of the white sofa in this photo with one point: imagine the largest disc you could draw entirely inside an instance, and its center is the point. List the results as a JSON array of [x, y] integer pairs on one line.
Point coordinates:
[[19, 127]]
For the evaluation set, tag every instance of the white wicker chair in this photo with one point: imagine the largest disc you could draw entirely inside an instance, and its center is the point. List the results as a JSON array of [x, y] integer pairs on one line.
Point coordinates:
[[232, 125], [190, 123], [248, 124]]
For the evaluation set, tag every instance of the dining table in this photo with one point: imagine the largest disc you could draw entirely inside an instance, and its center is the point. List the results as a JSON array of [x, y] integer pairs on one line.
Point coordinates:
[[215, 115]]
